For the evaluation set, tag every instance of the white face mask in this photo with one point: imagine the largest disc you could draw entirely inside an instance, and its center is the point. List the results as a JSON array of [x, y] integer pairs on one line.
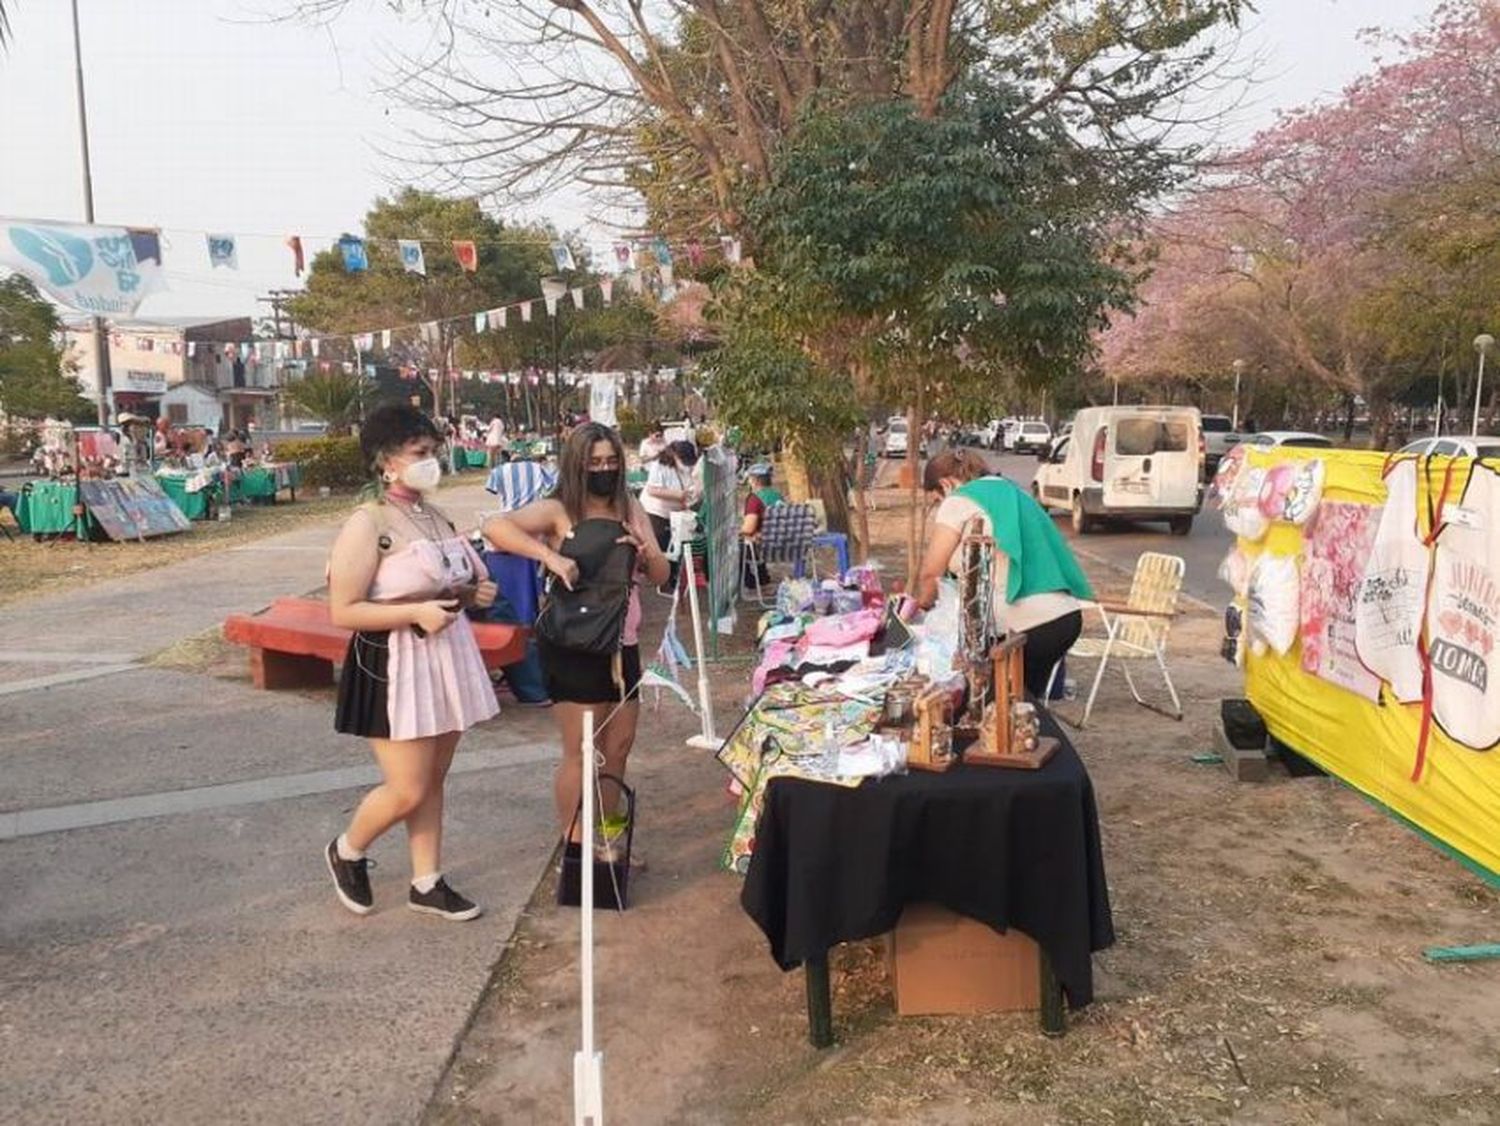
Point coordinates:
[[422, 475]]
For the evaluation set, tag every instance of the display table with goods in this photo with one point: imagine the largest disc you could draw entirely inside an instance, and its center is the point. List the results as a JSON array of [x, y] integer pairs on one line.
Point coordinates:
[[260, 483], [1366, 617], [889, 770], [197, 493], [51, 508]]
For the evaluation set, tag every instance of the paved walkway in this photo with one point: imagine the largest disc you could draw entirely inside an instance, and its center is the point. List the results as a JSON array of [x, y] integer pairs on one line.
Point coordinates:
[[169, 948]]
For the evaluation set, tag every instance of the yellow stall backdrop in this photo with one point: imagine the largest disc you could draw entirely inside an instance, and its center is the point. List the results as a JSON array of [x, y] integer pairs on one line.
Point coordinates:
[[1373, 746]]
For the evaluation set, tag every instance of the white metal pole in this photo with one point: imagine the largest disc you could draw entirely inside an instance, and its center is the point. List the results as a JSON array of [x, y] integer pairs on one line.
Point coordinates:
[[1478, 392], [588, 1064], [707, 740]]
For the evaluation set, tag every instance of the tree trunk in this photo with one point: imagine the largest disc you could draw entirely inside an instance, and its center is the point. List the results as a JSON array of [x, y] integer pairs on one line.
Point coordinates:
[[832, 485], [1348, 417], [798, 487], [861, 506], [914, 520]]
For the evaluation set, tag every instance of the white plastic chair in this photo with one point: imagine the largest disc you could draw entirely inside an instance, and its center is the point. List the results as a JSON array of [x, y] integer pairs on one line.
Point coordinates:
[[1136, 629]]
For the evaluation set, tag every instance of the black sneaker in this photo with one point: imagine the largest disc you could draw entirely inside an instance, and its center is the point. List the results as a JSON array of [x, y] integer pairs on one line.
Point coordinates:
[[351, 879], [444, 901]]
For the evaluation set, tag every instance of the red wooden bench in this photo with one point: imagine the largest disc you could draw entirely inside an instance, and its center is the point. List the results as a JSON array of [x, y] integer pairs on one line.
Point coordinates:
[[293, 644]]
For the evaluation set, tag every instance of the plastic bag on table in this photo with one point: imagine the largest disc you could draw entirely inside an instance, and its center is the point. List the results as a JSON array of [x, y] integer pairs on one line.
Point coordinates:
[[938, 643]]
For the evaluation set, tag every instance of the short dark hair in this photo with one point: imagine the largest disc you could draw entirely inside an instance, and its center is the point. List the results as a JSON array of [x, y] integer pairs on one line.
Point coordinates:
[[390, 427]]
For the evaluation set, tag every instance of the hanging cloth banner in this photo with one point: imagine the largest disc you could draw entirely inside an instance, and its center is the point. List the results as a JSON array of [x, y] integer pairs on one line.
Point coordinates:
[[299, 262], [412, 259], [385, 340], [353, 249], [90, 269], [526, 311], [496, 319], [563, 256], [607, 289], [552, 292], [467, 254], [576, 293], [602, 393], [481, 321], [222, 252]]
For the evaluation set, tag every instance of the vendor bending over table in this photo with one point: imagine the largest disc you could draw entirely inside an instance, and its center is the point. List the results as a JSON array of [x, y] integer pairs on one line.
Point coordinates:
[[1037, 581]]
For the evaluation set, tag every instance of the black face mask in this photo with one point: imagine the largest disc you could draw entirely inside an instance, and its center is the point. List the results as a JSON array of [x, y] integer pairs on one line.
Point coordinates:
[[603, 482]]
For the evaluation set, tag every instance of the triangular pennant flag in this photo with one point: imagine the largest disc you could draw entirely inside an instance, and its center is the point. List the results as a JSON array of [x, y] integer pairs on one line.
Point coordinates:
[[192, 349], [662, 251], [299, 263], [526, 311], [636, 282], [731, 248], [413, 261], [551, 306], [576, 293], [622, 255], [348, 367], [221, 252], [353, 250], [552, 291], [146, 242], [467, 254], [496, 318], [695, 253], [481, 321], [385, 340], [563, 256], [607, 289], [314, 342], [667, 276]]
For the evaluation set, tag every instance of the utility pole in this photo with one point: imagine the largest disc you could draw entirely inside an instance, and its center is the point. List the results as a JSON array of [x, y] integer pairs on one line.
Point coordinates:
[[101, 338], [276, 298]]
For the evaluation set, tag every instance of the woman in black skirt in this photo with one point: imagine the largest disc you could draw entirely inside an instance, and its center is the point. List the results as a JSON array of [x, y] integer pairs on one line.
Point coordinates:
[[569, 534], [413, 680]]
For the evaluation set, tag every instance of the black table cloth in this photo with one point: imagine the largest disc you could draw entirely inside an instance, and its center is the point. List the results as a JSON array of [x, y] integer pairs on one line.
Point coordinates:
[[1011, 848]]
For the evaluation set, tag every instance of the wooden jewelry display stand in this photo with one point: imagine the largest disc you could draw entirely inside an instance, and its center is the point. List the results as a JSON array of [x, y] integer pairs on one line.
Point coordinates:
[[931, 746], [994, 746]]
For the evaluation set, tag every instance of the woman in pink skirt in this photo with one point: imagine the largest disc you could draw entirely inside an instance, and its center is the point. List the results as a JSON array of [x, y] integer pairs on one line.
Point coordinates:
[[413, 680]]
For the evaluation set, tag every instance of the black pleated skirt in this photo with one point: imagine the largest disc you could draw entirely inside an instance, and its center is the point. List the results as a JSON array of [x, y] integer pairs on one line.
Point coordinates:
[[362, 707]]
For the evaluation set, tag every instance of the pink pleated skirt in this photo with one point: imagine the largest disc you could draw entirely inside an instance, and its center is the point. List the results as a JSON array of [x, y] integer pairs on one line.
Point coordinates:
[[396, 685]]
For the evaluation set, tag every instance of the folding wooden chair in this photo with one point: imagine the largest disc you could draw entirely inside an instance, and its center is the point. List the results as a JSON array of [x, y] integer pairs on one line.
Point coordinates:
[[1135, 630]]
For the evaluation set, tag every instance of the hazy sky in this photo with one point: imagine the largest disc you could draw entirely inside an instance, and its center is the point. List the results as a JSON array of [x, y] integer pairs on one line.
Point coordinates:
[[204, 117]]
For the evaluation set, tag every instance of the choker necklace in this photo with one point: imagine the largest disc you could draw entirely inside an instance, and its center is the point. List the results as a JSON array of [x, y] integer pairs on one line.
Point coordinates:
[[408, 497]]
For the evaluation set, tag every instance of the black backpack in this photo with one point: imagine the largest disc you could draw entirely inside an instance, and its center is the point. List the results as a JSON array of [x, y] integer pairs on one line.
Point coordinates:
[[590, 618]]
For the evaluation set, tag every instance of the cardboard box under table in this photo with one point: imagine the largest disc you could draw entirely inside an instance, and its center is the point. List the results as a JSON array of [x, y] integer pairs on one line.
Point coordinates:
[[941, 962]]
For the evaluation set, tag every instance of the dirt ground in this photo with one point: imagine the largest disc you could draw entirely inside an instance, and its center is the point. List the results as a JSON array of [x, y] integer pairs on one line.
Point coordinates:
[[1267, 968]]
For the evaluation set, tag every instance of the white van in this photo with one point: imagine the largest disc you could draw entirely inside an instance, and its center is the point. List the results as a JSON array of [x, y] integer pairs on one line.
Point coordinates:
[[1127, 463]]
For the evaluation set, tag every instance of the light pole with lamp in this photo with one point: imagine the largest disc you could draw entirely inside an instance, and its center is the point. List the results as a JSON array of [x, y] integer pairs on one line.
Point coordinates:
[[1482, 344], [1239, 370]]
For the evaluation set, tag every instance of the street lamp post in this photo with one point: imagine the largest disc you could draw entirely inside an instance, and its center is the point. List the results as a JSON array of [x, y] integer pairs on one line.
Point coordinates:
[[1239, 370], [1482, 344], [101, 340]]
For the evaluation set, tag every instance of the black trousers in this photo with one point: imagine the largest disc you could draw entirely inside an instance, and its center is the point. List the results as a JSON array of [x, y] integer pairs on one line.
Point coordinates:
[[1046, 644]]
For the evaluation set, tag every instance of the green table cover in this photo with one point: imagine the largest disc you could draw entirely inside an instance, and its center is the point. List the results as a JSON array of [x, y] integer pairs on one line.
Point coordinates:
[[46, 509], [193, 505], [477, 459]]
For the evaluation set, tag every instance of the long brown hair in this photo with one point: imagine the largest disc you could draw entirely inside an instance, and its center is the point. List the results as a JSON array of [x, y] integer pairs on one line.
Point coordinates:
[[573, 471]]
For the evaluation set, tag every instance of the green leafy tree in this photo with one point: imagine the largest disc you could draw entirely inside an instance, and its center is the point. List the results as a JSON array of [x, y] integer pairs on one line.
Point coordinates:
[[35, 380], [334, 397]]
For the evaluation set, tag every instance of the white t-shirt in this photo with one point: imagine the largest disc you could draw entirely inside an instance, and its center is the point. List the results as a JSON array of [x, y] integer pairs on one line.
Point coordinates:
[[495, 435], [651, 449], [964, 515], [664, 477]]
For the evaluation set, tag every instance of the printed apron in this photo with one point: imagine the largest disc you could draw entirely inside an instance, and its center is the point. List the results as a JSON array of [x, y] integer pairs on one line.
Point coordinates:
[[1463, 618], [1392, 595]]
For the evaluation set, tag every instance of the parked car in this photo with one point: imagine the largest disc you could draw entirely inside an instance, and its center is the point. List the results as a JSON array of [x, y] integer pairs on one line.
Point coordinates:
[[895, 438], [1008, 433], [1218, 439], [1482, 445], [1128, 463], [1030, 437], [1295, 439]]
